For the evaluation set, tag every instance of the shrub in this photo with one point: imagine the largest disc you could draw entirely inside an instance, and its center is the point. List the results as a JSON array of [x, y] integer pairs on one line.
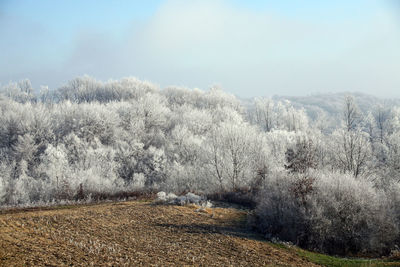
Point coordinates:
[[241, 196], [333, 213]]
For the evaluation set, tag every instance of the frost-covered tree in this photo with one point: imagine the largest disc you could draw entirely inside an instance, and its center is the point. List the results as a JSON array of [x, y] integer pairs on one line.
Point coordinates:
[[264, 113], [352, 151], [393, 156], [302, 156], [382, 120], [351, 113], [55, 167], [21, 92], [231, 151]]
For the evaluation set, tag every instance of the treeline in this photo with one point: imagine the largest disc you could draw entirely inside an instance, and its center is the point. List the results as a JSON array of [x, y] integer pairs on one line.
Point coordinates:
[[322, 185]]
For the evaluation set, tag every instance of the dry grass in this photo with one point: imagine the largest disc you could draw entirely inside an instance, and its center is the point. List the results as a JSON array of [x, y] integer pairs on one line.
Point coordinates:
[[132, 234]]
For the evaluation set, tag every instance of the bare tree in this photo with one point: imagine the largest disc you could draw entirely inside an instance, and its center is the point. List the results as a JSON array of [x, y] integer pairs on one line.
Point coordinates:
[[381, 118], [352, 151], [232, 150], [264, 114], [351, 114]]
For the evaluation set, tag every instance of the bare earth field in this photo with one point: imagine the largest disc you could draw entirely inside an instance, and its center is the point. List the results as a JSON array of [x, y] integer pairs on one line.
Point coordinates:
[[143, 234], [132, 234]]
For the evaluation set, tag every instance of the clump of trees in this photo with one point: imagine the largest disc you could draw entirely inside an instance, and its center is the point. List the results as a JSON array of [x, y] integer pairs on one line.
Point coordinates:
[[333, 188]]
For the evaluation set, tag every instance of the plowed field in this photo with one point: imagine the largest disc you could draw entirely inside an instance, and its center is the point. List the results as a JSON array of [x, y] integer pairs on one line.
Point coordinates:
[[134, 234]]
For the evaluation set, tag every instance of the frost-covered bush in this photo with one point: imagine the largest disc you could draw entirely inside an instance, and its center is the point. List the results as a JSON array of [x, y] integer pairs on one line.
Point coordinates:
[[330, 212], [3, 188], [352, 216]]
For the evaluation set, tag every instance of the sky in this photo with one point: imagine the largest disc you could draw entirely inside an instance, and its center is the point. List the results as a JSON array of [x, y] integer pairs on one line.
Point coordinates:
[[248, 48]]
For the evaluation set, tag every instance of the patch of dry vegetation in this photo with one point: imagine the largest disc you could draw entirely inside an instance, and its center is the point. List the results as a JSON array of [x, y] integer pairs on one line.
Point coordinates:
[[135, 233]]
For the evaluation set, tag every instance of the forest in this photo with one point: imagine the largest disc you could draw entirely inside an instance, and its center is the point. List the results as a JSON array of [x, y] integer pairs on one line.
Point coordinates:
[[327, 181]]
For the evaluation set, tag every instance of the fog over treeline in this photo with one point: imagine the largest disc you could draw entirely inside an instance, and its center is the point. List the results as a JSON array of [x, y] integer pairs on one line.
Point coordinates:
[[324, 171]]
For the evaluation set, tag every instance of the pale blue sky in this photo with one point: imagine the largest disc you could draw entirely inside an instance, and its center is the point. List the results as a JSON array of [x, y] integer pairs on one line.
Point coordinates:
[[250, 48]]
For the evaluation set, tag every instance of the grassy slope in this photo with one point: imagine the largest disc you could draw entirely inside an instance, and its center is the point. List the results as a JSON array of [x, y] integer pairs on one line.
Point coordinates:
[[326, 260], [139, 233]]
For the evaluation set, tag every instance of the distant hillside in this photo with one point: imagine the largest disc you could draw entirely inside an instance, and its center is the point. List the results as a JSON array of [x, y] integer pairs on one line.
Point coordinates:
[[331, 103]]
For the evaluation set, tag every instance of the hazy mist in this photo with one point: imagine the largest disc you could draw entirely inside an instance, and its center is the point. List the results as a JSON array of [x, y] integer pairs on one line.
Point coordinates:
[[249, 49]]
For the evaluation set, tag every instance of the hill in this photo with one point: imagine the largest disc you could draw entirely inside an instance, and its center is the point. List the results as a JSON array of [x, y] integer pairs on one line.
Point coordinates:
[[330, 103]]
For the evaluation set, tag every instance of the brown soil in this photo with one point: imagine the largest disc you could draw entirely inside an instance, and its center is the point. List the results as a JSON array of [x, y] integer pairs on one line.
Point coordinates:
[[135, 234]]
